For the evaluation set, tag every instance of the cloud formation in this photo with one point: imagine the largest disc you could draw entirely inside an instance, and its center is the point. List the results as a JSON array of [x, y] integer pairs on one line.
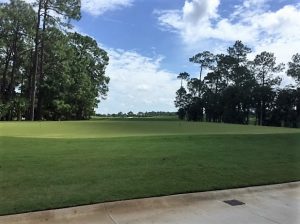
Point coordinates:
[[252, 21], [197, 11], [138, 83], [98, 7]]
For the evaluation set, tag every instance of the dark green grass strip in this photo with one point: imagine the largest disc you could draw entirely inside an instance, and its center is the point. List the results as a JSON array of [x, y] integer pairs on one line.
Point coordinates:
[[37, 174]]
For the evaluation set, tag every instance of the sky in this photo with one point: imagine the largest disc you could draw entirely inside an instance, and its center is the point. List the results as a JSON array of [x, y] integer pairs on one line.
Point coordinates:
[[149, 42]]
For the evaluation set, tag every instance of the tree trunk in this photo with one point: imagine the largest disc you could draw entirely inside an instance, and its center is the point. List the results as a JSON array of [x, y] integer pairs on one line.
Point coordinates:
[[260, 111], [35, 62], [217, 84], [200, 81], [248, 116], [41, 70], [262, 103], [4, 79], [11, 88]]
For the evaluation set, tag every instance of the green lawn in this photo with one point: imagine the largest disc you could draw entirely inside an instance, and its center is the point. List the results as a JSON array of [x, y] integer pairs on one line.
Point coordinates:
[[95, 162], [126, 128]]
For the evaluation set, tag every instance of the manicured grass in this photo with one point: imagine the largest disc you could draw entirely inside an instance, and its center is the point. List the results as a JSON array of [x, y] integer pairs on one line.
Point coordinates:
[[121, 128], [39, 173], [154, 118]]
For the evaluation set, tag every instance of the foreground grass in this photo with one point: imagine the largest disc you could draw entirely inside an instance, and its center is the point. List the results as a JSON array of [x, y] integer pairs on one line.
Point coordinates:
[[125, 128], [39, 174]]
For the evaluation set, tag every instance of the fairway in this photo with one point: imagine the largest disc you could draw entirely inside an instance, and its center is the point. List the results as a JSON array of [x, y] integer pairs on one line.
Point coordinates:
[[123, 128], [47, 165]]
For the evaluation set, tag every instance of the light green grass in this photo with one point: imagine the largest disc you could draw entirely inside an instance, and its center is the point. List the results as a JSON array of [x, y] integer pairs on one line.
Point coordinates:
[[154, 118], [39, 173], [108, 128]]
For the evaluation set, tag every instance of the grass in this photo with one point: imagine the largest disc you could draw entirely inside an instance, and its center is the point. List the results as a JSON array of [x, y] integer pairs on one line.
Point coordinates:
[[40, 172], [126, 128], [154, 118]]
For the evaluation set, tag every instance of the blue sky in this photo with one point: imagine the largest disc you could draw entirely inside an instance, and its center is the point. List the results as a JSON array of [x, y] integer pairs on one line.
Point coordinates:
[[149, 41], [136, 28]]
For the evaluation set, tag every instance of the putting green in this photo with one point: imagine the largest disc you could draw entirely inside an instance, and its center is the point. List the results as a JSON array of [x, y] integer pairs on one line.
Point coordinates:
[[108, 128]]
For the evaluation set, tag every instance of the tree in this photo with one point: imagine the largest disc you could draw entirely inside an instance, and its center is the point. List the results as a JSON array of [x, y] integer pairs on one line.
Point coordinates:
[[294, 72], [181, 102], [216, 82], [87, 69], [264, 68], [218, 78], [65, 11], [294, 68], [205, 59], [57, 81], [183, 76], [16, 29], [240, 83], [237, 64], [239, 52], [235, 88], [74, 76], [45, 72], [284, 113]]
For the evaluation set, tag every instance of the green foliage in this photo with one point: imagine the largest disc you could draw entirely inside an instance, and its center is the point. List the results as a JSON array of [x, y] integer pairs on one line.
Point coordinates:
[[59, 75], [205, 59], [238, 53], [235, 88], [294, 68], [265, 67], [16, 27], [183, 76]]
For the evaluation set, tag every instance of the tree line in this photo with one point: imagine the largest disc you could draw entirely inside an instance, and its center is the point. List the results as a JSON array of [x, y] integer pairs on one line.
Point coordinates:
[[140, 114], [47, 72], [238, 90]]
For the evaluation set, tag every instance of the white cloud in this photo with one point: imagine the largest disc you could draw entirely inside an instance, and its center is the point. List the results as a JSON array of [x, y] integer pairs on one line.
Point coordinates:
[[252, 22], [138, 83], [98, 7], [196, 11], [208, 24], [249, 8], [193, 19], [199, 20]]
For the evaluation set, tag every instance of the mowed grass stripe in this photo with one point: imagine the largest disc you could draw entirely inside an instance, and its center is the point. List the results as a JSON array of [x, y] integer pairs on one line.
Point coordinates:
[[38, 174], [109, 128]]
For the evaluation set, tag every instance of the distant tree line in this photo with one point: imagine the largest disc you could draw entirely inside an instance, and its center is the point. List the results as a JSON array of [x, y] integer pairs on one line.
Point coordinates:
[[47, 72], [236, 90], [139, 114]]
